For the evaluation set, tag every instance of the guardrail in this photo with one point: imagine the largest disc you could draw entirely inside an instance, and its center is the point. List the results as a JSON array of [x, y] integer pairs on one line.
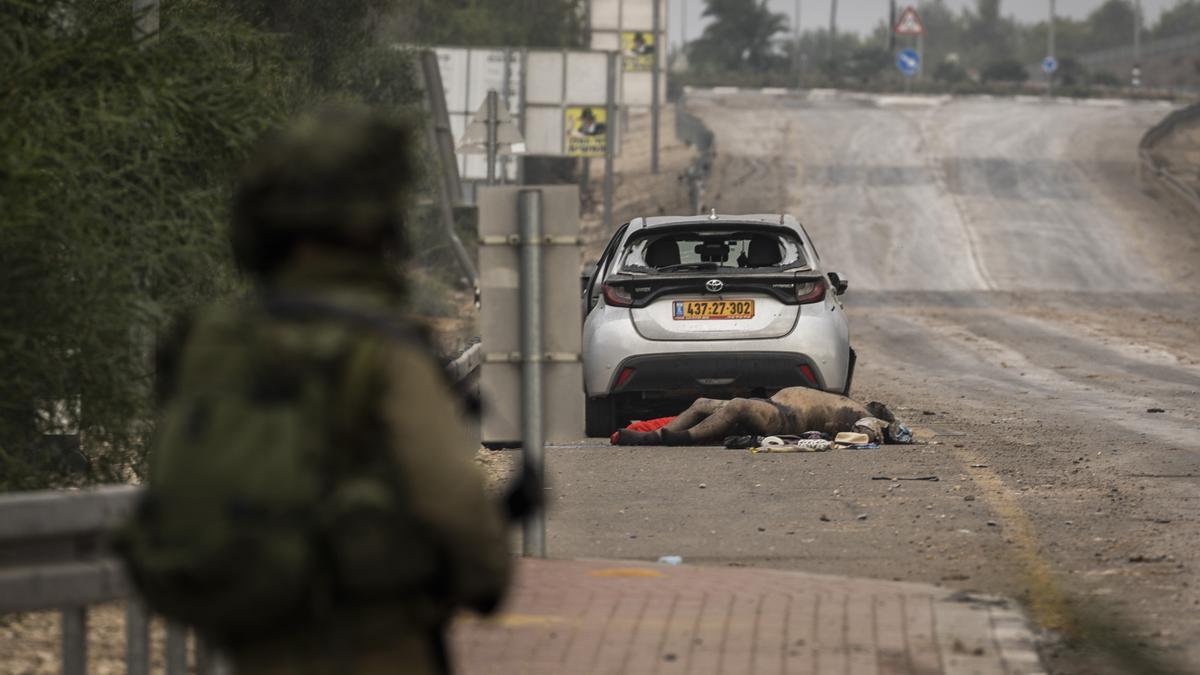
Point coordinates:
[[1158, 132], [54, 555]]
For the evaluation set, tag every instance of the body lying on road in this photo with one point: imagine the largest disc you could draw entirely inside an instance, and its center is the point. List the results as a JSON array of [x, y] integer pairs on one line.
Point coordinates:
[[791, 411]]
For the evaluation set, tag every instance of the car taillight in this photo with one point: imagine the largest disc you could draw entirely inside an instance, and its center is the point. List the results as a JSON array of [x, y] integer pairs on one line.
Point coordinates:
[[616, 296], [810, 291]]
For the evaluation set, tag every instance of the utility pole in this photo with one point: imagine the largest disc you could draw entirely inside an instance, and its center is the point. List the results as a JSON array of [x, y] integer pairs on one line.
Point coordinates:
[[654, 85], [832, 31], [796, 46], [683, 25], [1136, 79], [1050, 51], [892, 26], [610, 138]]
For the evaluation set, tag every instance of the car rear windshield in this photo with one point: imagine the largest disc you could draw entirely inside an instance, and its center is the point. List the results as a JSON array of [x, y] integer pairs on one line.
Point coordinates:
[[702, 249]]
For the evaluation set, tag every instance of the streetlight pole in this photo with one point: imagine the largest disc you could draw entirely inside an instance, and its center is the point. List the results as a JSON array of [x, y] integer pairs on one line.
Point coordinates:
[[832, 30], [796, 45], [1136, 80], [1050, 51]]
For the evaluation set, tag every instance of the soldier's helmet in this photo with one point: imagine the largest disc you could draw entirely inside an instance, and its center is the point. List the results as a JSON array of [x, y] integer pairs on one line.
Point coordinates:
[[339, 176]]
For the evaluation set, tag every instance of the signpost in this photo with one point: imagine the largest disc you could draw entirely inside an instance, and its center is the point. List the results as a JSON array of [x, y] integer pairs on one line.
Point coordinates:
[[909, 25], [1050, 64]]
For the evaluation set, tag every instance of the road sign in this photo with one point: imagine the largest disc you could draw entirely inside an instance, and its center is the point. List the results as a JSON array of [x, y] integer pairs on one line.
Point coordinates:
[[908, 61], [909, 23], [1049, 65]]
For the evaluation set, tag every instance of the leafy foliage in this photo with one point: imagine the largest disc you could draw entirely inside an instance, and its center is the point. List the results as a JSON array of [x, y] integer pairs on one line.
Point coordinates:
[[739, 37], [115, 165]]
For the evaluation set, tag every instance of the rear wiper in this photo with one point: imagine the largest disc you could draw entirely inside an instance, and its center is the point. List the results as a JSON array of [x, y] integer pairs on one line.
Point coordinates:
[[690, 266]]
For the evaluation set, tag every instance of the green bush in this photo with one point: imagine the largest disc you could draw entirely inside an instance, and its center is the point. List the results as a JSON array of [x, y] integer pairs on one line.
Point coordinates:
[[116, 162]]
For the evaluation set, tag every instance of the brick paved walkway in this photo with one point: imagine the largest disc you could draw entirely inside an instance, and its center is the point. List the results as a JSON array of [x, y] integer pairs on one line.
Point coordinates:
[[581, 617]]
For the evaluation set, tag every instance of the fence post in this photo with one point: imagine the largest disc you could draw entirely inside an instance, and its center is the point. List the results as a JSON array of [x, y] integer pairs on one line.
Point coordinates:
[[74, 641], [529, 220], [137, 638], [177, 649]]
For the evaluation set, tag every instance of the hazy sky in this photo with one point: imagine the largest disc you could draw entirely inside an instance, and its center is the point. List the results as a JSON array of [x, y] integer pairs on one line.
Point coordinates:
[[861, 15]]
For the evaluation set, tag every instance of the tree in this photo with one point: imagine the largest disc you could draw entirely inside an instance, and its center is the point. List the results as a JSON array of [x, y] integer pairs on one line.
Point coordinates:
[[1182, 19], [1110, 25], [115, 168], [739, 37], [989, 36]]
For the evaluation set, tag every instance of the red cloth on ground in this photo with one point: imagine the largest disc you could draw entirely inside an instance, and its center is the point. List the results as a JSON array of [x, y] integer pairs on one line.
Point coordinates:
[[650, 425], [644, 425]]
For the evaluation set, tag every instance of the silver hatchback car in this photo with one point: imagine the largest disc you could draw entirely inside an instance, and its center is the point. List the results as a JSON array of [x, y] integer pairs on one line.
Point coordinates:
[[719, 306]]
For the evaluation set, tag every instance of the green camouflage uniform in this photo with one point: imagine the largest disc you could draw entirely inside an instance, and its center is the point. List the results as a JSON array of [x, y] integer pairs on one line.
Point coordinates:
[[442, 484], [317, 210]]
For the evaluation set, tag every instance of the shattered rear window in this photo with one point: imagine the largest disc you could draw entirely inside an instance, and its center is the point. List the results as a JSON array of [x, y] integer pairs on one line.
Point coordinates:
[[724, 250]]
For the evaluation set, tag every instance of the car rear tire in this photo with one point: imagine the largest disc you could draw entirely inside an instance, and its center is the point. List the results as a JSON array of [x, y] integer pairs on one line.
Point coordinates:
[[599, 417]]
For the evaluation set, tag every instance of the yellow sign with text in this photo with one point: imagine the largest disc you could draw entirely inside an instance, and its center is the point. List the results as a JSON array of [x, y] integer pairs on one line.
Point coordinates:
[[637, 51], [587, 131]]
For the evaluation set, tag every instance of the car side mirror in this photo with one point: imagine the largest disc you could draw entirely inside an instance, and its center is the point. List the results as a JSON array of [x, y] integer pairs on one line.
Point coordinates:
[[839, 284]]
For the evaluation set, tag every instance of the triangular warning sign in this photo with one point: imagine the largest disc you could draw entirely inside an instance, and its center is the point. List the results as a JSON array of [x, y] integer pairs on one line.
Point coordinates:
[[508, 138], [909, 23]]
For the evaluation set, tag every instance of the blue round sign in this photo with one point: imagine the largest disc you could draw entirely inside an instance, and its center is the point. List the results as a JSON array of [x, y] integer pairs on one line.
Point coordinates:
[[908, 61], [1049, 64]]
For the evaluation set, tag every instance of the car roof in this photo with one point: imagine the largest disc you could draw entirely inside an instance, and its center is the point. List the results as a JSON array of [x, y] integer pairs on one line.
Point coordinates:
[[774, 219]]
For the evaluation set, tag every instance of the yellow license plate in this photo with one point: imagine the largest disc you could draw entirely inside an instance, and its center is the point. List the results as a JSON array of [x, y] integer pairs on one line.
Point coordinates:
[[686, 310]]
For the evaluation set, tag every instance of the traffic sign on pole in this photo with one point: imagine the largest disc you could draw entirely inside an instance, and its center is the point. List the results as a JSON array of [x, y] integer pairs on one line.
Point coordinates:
[[1049, 65], [909, 23], [908, 61]]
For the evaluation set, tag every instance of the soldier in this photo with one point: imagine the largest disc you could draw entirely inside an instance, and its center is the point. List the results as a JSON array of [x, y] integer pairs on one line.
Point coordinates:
[[312, 505]]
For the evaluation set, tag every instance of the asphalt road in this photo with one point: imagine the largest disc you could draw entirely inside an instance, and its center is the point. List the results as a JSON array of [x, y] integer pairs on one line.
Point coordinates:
[[1017, 299]]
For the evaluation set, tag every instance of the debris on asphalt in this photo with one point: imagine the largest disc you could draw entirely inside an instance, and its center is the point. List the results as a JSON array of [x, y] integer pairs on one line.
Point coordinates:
[[1155, 410], [861, 516], [671, 560], [791, 444], [873, 427], [824, 518], [992, 523], [1141, 558], [977, 466], [852, 438], [969, 498], [1160, 521], [893, 478], [703, 485], [898, 433]]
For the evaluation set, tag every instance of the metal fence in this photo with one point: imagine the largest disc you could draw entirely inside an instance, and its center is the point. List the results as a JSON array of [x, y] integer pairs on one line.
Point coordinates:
[[1180, 44], [1151, 168], [55, 556]]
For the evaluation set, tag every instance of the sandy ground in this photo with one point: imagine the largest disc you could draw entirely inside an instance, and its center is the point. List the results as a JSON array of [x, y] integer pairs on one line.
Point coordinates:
[[1018, 299]]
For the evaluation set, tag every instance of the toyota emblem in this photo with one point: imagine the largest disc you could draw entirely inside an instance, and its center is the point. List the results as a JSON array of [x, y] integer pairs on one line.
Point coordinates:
[[714, 285]]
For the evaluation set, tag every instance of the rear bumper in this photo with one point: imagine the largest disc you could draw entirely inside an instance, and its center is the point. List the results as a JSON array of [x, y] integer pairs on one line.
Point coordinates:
[[714, 373]]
